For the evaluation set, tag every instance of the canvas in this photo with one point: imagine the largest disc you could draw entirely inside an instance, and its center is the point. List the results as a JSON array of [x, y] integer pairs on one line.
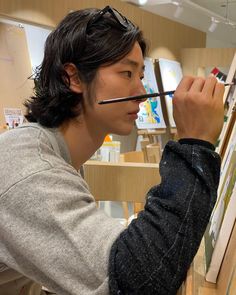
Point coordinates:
[[150, 115], [171, 75], [223, 217], [229, 102]]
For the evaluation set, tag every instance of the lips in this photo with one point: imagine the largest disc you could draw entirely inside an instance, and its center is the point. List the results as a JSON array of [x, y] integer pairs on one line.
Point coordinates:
[[134, 112], [133, 115]]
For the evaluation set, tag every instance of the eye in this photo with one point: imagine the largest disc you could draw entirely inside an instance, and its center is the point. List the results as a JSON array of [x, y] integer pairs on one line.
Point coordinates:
[[127, 74]]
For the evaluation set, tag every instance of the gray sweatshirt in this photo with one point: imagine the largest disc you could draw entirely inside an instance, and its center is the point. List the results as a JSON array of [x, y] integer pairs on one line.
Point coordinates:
[[52, 233], [50, 229]]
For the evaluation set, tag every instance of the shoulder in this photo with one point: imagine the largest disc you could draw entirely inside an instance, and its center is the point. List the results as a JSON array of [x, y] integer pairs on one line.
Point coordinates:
[[29, 151]]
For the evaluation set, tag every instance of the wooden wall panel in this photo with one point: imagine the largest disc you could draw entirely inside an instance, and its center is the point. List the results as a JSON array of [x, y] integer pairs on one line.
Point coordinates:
[[196, 59], [166, 37]]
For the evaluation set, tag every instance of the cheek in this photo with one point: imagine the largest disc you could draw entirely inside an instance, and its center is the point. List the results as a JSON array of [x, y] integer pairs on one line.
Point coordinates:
[[111, 86], [111, 110], [112, 119], [102, 114]]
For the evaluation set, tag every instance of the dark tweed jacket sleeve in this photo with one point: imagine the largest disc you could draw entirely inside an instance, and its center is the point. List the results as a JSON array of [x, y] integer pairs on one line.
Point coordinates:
[[153, 254]]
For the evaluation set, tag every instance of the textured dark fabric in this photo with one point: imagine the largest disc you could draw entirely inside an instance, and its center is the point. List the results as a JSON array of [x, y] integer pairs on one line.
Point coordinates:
[[153, 254], [193, 141]]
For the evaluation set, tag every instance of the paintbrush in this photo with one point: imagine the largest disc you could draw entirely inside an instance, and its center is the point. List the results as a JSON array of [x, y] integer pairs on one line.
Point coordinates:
[[143, 96]]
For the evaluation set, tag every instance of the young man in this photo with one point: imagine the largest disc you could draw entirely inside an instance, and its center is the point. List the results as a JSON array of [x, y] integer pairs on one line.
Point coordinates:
[[51, 232]]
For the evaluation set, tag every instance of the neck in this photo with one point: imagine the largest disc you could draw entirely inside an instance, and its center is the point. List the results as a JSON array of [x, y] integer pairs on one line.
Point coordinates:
[[81, 141]]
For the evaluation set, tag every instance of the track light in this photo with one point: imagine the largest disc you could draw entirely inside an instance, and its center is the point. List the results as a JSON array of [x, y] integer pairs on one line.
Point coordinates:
[[179, 10], [142, 2], [175, 2], [214, 24], [179, 7]]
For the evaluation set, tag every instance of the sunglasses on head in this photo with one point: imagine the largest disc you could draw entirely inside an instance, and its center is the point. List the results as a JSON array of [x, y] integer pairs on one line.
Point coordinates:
[[118, 17]]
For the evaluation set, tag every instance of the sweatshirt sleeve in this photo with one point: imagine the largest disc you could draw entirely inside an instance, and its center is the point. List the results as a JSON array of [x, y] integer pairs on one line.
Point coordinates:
[[52, 233], [153, 254]]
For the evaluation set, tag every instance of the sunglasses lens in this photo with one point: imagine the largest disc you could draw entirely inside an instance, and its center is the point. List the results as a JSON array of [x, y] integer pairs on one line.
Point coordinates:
[[120, 18]]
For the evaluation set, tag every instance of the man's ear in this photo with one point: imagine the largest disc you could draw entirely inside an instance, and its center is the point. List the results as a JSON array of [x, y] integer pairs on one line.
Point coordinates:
[[75, 82]]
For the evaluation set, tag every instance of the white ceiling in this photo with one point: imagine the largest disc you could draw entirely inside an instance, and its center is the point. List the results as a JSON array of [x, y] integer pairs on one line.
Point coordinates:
[[198, 14]]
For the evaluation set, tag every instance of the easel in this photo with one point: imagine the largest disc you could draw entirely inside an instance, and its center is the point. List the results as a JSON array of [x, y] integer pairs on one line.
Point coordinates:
[[193, 61], [151, 149], [173, 132], [195, 283], [151, 133], [150, 146]]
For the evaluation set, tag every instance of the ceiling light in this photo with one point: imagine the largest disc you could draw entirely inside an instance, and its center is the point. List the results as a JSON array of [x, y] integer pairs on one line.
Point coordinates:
[[178, 11], [142, 2], [214, 24], [175, 2]]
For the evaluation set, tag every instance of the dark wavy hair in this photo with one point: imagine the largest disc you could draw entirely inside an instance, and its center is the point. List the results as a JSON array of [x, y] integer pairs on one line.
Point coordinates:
[[86, 46]]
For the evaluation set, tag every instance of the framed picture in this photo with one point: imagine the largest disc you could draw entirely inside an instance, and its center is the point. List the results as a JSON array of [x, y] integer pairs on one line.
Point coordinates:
[[150, 115], [171, 75]]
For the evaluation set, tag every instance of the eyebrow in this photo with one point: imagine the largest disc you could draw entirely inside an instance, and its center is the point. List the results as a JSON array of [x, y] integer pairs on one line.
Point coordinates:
[[132, 63]]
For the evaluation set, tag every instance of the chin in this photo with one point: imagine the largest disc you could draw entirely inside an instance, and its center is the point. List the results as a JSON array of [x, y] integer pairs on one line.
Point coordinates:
[[123, 132], [123, 129]]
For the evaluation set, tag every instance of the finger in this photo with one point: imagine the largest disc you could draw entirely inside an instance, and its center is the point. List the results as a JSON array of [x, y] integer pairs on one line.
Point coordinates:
[[219, 91], [197, 85], [185, 84], [209, 85]]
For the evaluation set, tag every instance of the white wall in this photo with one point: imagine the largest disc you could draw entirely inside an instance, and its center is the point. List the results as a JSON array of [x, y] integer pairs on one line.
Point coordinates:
[[214, 43], [36, 37]]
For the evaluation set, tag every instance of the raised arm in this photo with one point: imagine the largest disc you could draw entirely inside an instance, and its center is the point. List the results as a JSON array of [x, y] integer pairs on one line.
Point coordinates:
[[153, 254]]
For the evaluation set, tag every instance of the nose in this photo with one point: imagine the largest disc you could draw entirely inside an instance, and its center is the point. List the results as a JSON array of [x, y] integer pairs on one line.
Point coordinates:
[[139, 90], [140, 87]]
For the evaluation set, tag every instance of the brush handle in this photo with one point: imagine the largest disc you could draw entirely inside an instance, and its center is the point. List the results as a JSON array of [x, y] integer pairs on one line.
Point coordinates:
[[136, 97], [143, 96]]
